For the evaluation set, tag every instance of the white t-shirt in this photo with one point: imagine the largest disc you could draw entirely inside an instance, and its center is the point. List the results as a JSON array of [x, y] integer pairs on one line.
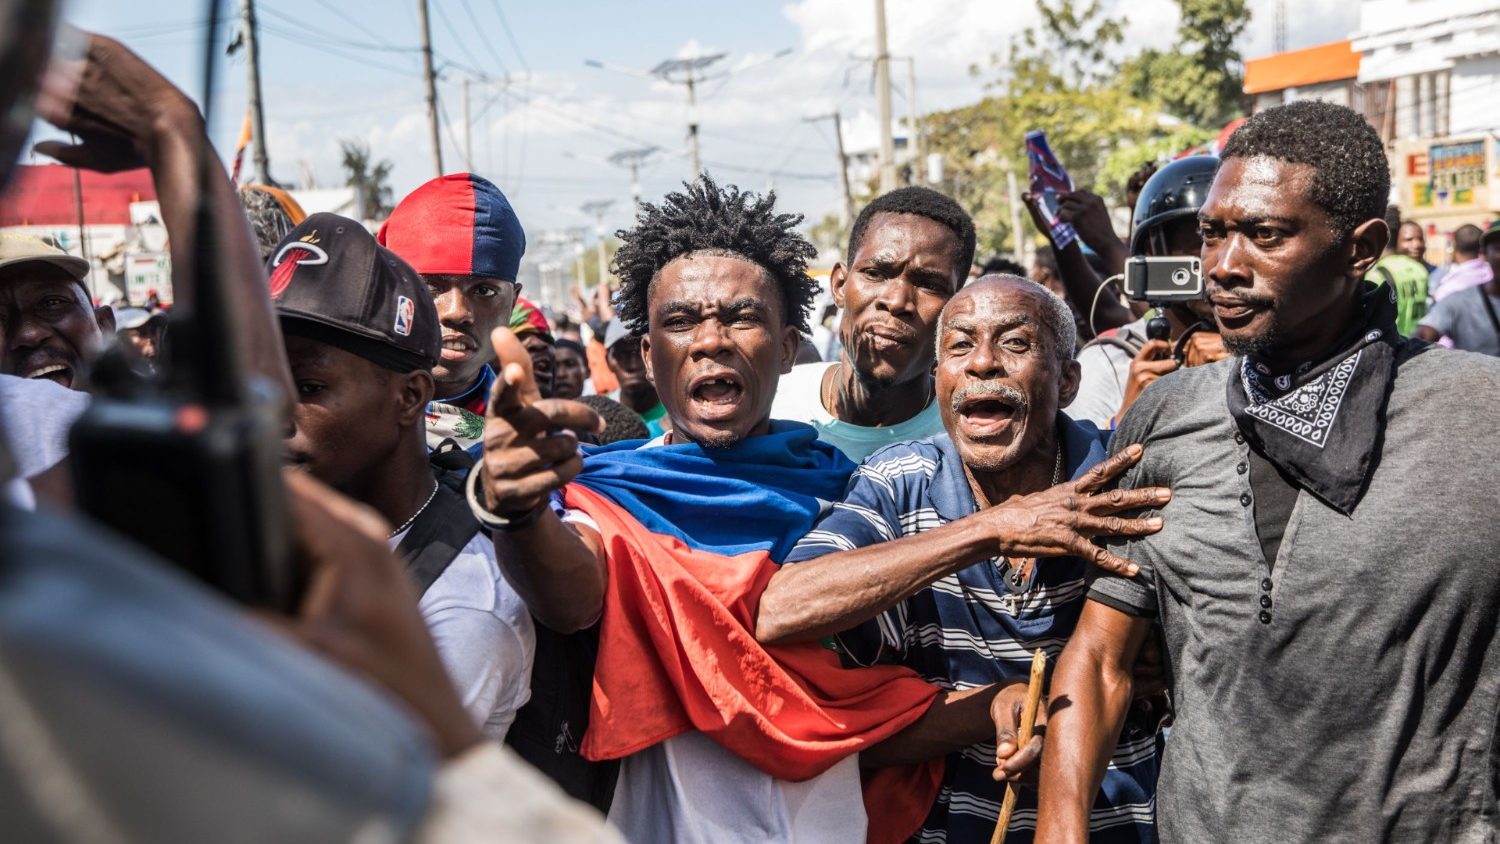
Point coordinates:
[[690, 790], [799, 398], [483, 633], [35, 416], [1101, 388]]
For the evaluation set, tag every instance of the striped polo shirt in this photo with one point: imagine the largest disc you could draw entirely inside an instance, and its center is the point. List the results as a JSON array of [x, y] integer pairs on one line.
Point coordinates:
[[974, 628]]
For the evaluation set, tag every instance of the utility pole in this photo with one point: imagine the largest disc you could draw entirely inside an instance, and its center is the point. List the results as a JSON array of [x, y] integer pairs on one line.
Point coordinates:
[[847, 212], [685, 72], [468, 132], [1022, 253], [597, 210], [83, 234], [257, 114], [432, 115], [883, 100], [913, 131], [633, 158]]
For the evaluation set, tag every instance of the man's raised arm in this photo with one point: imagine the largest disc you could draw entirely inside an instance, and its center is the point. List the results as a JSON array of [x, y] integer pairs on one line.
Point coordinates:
[[530, 451], [1090, 697], [837, 591], [127, 115]]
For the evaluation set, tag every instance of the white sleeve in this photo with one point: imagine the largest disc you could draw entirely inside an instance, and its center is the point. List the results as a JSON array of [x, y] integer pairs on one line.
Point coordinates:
[[1101, 387], [484, 635], [489, 794]]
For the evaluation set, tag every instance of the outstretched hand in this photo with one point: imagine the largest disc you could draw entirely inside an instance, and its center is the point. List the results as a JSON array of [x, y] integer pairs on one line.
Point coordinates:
[[1064, 519], [530, 443]]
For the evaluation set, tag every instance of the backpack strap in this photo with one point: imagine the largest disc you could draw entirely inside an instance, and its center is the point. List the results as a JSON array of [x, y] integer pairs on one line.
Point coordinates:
[[1127, 342], [446, 525]]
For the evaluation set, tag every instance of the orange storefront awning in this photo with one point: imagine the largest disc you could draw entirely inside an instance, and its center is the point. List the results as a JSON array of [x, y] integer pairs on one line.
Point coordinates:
[[1323, 63]]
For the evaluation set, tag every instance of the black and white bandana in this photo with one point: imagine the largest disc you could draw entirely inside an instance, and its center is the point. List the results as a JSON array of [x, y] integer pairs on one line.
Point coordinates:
[[1320, 423]]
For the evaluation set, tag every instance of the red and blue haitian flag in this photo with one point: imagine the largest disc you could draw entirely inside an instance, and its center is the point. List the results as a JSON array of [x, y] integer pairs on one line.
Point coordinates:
[[692, 537]]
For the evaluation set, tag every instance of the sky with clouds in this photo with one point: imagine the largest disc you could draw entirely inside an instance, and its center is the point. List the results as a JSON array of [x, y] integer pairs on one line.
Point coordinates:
[[545, 123]]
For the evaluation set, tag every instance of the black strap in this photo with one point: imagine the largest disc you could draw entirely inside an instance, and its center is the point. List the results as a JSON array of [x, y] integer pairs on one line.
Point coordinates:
[[437, 536], [446, 525], [1489, 308]]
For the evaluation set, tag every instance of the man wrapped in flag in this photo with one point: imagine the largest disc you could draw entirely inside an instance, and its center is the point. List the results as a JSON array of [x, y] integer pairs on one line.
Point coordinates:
[[668, 544]]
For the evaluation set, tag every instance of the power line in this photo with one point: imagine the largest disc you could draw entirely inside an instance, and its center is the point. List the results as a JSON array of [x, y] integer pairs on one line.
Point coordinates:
[[469, 10], [331, 49], [354, 22], [464, 48], [375, 46], [510, 36]]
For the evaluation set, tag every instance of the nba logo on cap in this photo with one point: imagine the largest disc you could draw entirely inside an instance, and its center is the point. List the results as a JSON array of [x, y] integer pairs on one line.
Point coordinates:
[[406, 311]]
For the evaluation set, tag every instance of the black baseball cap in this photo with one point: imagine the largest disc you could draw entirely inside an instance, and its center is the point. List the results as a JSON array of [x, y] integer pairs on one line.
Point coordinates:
[[331, 282]]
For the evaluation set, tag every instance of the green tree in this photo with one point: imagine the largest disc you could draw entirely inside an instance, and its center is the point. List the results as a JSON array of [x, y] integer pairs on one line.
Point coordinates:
[[370, 180], [1200, 79], [1060, 77]]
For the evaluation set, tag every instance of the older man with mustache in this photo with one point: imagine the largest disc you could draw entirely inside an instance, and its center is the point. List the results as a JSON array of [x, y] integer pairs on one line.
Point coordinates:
[[960, 554]]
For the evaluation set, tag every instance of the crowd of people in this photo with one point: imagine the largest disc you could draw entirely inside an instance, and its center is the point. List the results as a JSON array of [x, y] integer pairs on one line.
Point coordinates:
[[670, 566]]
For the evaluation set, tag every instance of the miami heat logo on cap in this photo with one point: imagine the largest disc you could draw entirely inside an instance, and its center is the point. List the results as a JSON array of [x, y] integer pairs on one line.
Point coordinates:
[[406, 311], [304, 252]]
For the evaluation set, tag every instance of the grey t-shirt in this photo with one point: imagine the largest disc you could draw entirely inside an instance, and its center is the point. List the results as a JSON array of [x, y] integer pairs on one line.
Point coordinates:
[[1463, 319], [1351, 693]]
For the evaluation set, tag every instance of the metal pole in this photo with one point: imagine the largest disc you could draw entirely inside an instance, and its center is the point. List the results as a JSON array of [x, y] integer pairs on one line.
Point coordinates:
[[1022, 253], [468, 132], [432, 115], [914, 132], [883, 99], [693, 125], [83, 237], [257, 115], [838, 136]]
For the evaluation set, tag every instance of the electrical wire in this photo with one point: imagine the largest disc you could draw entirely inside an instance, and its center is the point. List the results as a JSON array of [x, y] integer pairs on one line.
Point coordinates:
[[453, 31], [505, 24], [1120, 277], [479, 30]]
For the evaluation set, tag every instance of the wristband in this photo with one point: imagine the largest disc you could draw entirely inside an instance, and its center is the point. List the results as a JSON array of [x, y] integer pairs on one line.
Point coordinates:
[[491, 521]]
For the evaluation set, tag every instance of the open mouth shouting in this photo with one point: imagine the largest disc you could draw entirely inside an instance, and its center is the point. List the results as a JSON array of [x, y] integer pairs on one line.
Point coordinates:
[[716, 395], [985, 412]]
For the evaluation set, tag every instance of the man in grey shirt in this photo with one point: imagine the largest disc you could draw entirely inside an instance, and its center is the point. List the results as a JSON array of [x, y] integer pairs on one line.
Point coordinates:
[[1330, 613], [1470, 318]]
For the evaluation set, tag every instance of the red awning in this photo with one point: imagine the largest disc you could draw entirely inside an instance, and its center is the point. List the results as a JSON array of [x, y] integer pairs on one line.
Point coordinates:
[[43, 195]]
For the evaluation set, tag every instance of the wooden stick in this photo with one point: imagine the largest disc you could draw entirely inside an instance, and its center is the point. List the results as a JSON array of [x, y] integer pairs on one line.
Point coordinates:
[[1023, 738]]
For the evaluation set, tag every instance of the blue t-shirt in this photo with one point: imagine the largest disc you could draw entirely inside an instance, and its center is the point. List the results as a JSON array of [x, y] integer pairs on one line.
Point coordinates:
[[974, 628]]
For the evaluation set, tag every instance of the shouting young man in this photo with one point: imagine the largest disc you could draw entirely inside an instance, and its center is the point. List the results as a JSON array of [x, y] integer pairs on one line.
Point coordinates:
[[669, 546]]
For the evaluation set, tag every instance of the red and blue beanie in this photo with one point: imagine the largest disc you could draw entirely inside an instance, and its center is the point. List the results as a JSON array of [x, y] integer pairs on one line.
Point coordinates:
[[458, 224]]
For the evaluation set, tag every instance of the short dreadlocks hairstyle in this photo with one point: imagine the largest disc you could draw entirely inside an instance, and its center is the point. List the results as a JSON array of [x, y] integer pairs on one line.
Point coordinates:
[[923, 202], [709, 220], [1351, 178]]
